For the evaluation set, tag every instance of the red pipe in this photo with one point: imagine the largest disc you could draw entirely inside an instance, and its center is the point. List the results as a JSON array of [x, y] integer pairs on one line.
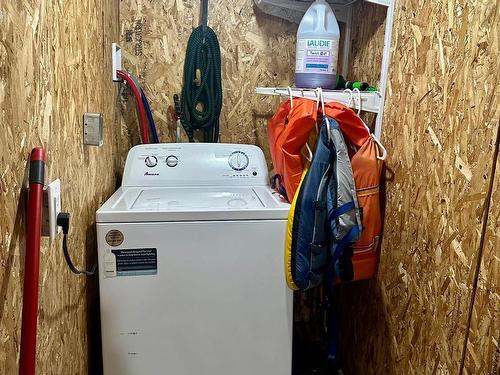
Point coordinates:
[[27, 361], [140, 106]]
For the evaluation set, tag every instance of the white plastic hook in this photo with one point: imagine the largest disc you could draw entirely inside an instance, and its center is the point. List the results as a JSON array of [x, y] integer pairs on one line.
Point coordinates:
[[322, 100], [356, 90], [380, 145], [318, 93], [384, 151], [309, 155], [318, 97], [351, 97], [291, 96]]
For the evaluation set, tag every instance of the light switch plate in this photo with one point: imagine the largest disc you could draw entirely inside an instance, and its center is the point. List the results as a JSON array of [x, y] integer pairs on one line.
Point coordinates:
[[93, 129]]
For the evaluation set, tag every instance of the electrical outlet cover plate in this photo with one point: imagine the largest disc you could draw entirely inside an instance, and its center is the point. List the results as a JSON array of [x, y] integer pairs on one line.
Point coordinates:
[[116, 61], [51, 208], [92, 129]]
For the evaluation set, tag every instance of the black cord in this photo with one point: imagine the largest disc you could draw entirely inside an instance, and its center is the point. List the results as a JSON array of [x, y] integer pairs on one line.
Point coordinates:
[[63, 222], [70, 262]]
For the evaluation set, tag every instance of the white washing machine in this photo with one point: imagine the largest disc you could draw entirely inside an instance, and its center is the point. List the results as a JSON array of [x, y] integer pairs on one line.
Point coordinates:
[[191, 269]]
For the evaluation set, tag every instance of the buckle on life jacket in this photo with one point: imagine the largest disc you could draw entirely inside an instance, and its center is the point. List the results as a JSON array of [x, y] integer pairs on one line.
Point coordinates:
[[343, 267], [317, 248], [314, 278], [276, 184], [319, 206]]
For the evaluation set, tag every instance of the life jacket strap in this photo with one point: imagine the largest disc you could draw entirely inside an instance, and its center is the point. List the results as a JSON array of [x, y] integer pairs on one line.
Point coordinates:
[[276, 184], [341, 210], [340, 246]]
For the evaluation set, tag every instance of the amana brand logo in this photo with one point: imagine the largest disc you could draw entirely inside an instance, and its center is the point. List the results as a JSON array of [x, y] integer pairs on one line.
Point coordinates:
[[319, 43], [151, 174]]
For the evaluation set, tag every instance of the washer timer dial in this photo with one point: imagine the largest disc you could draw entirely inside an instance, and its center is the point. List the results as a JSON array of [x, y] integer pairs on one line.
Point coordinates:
[[238, 160], [151, 161]]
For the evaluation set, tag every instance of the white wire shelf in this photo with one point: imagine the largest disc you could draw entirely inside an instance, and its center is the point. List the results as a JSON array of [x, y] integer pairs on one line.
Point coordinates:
[[370, 100]]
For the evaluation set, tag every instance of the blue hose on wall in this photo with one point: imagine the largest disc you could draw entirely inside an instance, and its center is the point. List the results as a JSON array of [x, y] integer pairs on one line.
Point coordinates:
[[149, 115]]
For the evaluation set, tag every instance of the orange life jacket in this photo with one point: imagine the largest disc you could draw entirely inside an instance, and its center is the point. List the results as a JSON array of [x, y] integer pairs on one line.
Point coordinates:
[[367, 170], [288, 132]]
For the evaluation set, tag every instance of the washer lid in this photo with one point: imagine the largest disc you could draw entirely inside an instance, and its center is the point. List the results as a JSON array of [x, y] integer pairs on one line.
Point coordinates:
[[135, 204], [191, 198]]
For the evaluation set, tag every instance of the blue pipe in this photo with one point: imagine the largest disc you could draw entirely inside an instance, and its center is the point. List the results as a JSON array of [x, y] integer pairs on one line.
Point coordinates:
[[149, 115]]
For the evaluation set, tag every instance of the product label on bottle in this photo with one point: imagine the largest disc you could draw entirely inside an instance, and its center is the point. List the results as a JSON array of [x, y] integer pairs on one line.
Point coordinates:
[[317, 56]]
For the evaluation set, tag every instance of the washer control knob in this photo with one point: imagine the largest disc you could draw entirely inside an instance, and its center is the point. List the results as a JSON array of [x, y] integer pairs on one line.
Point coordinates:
[[151, 161], [238, 160], [172, 161]]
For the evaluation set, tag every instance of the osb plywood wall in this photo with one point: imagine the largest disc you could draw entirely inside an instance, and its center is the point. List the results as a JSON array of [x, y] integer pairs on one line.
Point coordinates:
[[440, 125], [54, 66], [256, 50], [485, 320]]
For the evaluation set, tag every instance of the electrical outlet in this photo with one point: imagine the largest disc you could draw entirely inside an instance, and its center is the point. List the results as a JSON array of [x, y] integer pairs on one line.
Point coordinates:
[[51, 208]]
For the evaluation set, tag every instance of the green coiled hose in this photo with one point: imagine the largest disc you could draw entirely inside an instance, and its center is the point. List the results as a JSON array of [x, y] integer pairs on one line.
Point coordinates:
[[201, 100]]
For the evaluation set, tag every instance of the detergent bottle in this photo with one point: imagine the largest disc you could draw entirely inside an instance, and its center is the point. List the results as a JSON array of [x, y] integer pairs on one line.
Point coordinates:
[[317, 47]]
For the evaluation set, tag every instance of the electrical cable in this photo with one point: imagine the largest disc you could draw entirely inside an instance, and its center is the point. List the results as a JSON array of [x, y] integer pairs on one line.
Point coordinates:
[[70, 262], [200, 103], [140, 107], [149, 115], [63, 221]]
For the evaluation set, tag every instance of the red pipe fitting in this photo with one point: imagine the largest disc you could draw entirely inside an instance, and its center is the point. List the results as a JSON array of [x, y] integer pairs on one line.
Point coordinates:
[[27, 361]]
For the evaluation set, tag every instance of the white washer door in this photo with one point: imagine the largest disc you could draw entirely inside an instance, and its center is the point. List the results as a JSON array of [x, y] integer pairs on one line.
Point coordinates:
[[216, 304], [192, 198]]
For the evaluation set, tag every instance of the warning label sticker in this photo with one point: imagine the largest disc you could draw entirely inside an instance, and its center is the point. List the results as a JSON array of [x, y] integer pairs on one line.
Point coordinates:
[[132, 262]]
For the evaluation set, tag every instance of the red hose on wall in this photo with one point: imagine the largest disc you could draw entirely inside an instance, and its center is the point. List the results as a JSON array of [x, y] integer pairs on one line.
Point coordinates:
[[140, 107], [27, 361]]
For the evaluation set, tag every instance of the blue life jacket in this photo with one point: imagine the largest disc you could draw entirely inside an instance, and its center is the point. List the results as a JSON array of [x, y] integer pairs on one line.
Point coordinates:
[[324, 218]]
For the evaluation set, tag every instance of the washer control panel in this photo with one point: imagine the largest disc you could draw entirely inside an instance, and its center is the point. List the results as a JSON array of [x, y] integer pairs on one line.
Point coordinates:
[[195, 164]]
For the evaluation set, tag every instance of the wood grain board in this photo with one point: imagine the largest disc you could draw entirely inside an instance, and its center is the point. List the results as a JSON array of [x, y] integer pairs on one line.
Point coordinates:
[[441, 118], [439, 127], [54, 65]]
